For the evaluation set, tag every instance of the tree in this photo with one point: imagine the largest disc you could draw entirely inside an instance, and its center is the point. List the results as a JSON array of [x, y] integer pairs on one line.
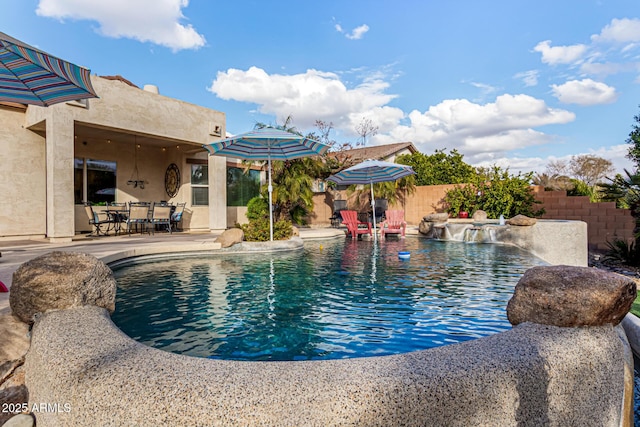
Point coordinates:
[[625, 191], [558, 167], [438, 168], [553, 182], [364, 129], [634, 141], [590, 169], [496, 192]]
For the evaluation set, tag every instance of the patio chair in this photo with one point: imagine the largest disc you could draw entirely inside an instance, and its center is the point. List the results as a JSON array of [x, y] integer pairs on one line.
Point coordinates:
[[354, 226], [138, 215], [336, 217], [99, 220], [161, 215], [394, 223], [176, 215], [381, 206]]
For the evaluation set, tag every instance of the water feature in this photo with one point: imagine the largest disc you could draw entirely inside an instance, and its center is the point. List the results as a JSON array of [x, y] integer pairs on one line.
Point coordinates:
[[468, 232], [334, 299]]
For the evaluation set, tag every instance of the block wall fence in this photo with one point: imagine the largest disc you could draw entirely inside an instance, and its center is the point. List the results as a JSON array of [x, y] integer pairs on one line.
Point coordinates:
[[604, 221]]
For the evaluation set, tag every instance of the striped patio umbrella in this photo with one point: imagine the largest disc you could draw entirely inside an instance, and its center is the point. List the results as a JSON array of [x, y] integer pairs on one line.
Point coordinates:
[[267, 144], [371, 172], [30, 76]]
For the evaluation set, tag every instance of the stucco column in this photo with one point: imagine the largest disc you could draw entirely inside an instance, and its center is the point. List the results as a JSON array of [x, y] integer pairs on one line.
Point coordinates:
[[217, 193], [59, 159]]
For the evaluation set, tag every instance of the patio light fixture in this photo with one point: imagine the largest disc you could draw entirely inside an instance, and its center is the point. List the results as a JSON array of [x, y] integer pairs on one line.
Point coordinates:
[[137, 182]]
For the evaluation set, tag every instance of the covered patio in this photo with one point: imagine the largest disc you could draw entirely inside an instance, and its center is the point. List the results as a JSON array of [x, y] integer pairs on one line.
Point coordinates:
[[116, 148]]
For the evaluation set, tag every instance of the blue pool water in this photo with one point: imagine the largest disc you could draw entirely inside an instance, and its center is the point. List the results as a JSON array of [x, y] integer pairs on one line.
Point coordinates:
[[334, 299]]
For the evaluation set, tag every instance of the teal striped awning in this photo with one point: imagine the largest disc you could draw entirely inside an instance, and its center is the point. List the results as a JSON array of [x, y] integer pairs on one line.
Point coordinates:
[[265, 143], [30, 76]]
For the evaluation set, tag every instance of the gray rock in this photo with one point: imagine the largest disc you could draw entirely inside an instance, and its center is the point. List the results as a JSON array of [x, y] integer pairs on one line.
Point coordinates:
[[61, 280], [15, 338], [20, 420], [230, 237], [12, 396], [479, 215], [436, 217], [521, 220], [425, 227], [15, 377], [571, 296]]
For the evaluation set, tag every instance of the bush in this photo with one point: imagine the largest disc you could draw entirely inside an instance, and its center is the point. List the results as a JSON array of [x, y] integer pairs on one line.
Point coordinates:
[[495, 192], [257, 208], [258, 230], [621, 251]]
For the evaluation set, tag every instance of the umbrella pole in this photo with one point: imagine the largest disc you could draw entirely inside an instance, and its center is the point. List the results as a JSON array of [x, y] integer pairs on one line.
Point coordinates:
[[373, 213], [270, 189]]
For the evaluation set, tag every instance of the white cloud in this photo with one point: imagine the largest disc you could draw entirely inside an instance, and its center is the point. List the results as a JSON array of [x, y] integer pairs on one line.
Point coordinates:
[[355, 34], [358, 32], [616, 154], [313, 95], [560, 54], [619, 31], [155, 21], [487, 130], [492, 128], [529, 78], [585, 92]]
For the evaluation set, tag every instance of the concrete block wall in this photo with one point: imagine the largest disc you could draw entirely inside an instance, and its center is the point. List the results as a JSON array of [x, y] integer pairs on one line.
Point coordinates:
[[425, 200], [604, 221]]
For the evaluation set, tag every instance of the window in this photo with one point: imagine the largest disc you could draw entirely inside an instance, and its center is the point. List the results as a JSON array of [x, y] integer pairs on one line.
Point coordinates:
[[199, 185], [94, 181], [242, 187]]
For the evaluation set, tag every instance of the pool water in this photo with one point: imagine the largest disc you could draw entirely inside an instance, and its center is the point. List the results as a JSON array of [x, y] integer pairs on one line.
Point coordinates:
[[333, 299]]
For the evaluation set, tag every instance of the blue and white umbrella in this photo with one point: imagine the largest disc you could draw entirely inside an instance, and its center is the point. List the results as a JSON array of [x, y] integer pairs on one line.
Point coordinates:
[[31, 76], [267, 144], [371, 172]]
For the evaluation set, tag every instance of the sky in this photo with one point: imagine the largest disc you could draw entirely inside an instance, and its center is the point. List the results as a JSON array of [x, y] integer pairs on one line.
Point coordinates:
[[516, 84]]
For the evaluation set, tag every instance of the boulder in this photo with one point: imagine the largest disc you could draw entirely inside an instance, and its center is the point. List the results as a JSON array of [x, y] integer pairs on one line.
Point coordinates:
[[425, 227], [61, 280], [571, 296], [436, 217], [20, 420], [14, 397], [479, 215], [521, 220], [295, 232], [230, 237], [15, 338]]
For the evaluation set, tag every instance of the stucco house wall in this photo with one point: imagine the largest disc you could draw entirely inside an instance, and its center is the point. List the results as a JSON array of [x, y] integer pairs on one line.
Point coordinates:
[[38, 147], [22, 177]]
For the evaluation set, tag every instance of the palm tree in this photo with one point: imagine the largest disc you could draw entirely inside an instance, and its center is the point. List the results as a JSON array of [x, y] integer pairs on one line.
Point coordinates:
[[625, 191]]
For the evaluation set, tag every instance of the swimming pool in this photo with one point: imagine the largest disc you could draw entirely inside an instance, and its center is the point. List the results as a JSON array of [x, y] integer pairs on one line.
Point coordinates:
[[333, 299]]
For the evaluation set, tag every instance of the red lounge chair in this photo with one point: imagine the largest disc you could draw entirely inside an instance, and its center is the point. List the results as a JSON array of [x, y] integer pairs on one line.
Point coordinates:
[[394, 223], [355, 227]]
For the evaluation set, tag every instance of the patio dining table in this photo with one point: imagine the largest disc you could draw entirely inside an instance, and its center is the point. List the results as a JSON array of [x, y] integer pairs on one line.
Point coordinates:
[[117, 216]]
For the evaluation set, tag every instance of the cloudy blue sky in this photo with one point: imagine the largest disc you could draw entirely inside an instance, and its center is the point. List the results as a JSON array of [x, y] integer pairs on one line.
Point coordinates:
[[513, 83]]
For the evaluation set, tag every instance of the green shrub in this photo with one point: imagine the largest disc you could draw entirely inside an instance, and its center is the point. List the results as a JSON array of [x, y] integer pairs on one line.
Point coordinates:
[[258, 230], [621, 251], [495, 192], [257, 208]]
